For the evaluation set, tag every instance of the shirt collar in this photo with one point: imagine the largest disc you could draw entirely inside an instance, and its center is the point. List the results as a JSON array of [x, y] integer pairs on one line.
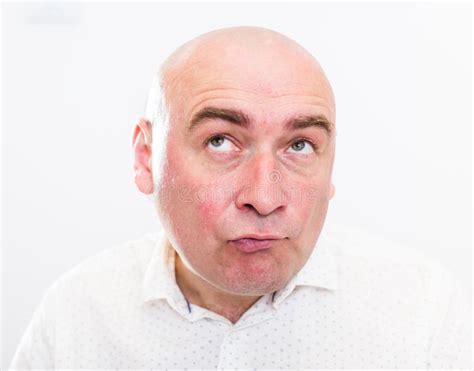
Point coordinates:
[[320, 271], [159, 281]]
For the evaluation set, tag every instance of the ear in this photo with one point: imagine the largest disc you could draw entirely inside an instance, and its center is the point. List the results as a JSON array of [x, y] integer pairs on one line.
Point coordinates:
[[141, 142], [332, 190]]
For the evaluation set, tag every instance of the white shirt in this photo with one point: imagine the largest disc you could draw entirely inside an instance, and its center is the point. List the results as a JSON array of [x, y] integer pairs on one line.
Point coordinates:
[[351, 306]]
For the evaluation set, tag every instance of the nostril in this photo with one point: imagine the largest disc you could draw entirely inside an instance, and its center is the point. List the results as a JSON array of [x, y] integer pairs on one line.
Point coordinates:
[[248, 206]]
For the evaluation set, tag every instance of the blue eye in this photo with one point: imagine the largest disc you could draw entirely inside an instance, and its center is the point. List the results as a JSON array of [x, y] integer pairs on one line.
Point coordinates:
[[302, 146], [220, 143]]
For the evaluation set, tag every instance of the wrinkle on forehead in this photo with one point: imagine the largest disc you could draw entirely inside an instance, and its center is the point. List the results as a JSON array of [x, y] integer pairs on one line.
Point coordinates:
[[251, 59]]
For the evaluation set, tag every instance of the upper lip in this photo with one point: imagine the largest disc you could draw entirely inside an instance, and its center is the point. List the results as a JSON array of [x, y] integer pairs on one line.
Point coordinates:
[[260, 237]]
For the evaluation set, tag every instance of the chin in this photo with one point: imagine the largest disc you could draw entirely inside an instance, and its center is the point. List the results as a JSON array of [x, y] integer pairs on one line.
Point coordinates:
[[253, 274]]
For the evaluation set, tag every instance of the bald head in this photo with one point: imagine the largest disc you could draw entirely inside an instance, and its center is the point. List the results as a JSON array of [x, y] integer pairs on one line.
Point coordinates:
[[243, 50]]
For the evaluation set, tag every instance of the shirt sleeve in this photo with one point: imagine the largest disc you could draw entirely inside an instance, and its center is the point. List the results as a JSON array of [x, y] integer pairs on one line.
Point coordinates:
[[450, 345], [36, 347]]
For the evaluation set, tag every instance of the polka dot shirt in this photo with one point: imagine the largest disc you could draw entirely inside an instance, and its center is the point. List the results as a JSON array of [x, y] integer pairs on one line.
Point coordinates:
[[353, 305]]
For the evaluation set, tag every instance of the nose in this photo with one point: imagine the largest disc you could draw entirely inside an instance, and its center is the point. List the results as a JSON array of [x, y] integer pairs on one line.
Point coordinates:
[[261, 186]]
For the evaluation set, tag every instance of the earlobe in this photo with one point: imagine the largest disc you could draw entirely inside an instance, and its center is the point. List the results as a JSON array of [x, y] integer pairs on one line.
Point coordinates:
[[142, 151]]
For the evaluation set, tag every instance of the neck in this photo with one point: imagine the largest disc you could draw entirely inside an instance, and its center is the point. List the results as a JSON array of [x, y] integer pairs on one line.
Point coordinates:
[[199, 292]]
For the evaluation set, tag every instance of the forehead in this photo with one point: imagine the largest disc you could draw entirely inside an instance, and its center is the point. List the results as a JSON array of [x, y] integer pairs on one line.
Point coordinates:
[[270, 83]]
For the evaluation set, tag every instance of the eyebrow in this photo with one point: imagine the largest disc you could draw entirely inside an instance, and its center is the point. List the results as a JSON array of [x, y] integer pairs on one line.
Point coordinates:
[[241, 119]]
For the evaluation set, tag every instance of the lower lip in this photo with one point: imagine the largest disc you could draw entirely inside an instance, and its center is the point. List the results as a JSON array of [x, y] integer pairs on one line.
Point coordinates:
[[251, 245]]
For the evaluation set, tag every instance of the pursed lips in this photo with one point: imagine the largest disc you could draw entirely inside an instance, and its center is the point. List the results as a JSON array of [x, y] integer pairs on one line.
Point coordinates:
[[254, 242]]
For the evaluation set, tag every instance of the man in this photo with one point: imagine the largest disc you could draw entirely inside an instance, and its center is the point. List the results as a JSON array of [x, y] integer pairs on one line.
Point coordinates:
[[237, 152]]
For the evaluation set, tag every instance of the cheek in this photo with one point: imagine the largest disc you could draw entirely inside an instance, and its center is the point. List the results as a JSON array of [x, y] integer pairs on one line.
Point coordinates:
[[212, 201], [208, 212], [192, 198]]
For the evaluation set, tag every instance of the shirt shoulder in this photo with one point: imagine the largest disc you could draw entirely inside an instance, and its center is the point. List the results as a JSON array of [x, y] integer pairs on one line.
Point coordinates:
[[400, 290], [368, 254], [97, 289], [386, 271], [117, 268]]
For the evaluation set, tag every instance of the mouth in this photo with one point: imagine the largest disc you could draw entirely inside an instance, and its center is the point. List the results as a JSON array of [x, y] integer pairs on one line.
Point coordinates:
[[252, 243]]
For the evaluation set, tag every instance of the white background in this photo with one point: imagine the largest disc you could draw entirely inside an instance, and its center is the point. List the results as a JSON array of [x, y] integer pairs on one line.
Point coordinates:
[[75, 78]]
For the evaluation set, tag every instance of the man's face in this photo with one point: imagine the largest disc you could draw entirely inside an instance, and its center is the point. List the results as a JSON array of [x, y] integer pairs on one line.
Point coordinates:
[[248, 154]]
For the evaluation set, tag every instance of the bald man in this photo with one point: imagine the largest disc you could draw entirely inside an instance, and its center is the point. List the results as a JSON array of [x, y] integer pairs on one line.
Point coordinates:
[[236, 152]]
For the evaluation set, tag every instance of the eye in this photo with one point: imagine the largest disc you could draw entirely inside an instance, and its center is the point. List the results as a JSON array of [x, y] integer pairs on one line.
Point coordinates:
[[302, 146], [220, 143]]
